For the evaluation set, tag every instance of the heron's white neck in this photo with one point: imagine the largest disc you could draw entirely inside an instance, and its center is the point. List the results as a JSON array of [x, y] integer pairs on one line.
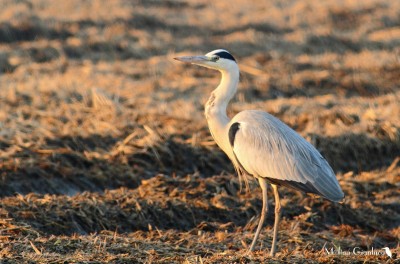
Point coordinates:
[[216, 105]]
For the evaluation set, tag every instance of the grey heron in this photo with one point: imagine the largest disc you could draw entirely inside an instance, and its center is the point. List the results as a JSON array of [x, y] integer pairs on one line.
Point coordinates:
[[262, 146]]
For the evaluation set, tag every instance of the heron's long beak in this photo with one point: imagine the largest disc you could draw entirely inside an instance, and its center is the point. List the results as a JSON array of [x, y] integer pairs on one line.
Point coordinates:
[[193, 59]]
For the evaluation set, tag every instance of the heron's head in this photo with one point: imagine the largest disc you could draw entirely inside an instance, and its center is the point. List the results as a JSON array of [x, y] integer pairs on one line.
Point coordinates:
[[219, 59]]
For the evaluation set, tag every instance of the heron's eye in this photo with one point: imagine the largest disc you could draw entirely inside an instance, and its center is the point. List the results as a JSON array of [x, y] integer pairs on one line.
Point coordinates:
[[215, 58]]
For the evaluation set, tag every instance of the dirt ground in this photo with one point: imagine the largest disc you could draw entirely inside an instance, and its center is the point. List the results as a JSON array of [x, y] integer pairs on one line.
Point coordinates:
[[105, 154]]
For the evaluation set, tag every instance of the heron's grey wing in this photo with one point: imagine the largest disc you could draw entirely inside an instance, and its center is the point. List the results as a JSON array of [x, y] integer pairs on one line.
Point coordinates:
[[266, 147]]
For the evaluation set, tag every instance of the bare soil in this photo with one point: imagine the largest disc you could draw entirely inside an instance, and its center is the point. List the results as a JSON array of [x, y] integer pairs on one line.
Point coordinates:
[[105, 155]]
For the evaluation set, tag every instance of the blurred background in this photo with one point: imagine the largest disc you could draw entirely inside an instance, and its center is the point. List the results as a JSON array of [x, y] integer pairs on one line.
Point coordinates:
[[102, 131]]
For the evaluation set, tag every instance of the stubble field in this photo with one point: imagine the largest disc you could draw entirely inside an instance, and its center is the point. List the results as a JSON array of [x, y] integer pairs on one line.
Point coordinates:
[[105, 154]]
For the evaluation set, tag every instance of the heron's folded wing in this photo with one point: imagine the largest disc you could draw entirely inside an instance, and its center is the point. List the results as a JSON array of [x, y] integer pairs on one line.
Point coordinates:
[[266, 147]]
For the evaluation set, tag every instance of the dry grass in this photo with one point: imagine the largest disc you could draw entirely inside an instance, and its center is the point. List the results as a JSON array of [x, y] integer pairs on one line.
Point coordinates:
[[105, 155]]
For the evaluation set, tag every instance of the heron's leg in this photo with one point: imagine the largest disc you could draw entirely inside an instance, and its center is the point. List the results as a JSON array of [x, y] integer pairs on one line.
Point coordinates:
[[277, 218], [264, 210]]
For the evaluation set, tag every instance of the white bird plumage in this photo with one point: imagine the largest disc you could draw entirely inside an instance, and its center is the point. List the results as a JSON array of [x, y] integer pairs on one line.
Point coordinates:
[[260, 145], [388, 251]]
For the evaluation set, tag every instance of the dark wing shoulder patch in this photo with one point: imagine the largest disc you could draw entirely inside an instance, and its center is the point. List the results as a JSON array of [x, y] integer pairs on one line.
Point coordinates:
[[232, 132]]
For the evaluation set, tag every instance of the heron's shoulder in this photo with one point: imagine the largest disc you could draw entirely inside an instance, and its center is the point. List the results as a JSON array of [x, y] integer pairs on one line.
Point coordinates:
[[257, 119], [253, 115], [263, 126]]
